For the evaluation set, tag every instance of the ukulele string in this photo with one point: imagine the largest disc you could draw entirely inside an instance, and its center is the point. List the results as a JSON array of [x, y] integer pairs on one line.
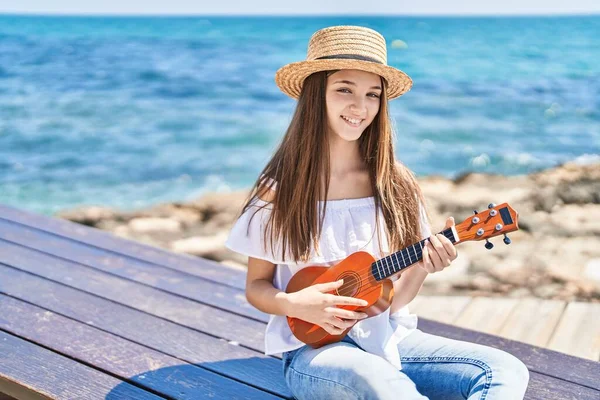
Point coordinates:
[[365, 277], [418, 254]]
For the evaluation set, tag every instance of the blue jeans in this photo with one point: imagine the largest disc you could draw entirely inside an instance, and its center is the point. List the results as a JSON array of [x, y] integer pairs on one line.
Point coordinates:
[[433, 367]]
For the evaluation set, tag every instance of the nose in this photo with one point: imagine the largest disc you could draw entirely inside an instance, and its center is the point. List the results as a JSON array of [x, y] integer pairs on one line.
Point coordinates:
[[358, 107]]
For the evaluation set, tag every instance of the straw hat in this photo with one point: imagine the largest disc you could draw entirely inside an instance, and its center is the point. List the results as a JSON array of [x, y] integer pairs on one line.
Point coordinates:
[[343, 47]]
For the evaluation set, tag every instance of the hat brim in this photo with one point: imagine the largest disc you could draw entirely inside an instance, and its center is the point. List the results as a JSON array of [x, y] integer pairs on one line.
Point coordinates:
[[290, 77]]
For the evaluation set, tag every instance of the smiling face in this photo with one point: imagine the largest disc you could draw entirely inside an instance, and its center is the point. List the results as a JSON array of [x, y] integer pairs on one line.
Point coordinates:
[[352, 99]]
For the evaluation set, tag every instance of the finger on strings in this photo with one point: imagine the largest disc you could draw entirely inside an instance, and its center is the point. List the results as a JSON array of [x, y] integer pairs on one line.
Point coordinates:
[[427, 260], [346, 301], [340, 312], [436, 261], [449, 247], [436, 243], [342, 323], [441, 248], [334, 330]]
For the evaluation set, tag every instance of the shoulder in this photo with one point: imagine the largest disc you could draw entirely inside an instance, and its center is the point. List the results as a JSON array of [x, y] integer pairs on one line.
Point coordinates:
[[265, 194], [266, 189]]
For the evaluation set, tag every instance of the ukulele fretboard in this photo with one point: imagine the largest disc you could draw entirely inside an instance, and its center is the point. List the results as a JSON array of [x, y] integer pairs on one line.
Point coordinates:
[[396, 262]]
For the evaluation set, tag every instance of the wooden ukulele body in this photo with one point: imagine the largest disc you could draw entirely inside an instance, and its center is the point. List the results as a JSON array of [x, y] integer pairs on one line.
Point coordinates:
[[359, 282]]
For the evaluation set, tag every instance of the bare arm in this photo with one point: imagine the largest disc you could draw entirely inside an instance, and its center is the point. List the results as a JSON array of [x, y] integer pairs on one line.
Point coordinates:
[[408, 286], [260, 291]]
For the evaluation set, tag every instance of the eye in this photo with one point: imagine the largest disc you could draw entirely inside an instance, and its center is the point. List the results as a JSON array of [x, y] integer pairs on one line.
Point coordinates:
[[345, 90]]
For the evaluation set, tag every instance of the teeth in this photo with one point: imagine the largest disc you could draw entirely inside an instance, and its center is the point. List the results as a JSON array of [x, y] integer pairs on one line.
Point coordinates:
[[352, 121]]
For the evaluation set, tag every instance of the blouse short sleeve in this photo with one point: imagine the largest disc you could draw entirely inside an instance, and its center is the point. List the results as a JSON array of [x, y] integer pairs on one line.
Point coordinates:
[[425, 228], [247, 234]]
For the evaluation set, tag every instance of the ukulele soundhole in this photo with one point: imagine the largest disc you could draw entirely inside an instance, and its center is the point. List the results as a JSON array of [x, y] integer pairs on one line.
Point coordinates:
[[351, 285]]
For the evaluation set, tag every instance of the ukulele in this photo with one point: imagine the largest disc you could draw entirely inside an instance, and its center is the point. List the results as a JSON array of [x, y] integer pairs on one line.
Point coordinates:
[[368, 279]]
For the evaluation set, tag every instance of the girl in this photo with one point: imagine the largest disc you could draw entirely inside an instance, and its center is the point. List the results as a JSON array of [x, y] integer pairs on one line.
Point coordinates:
[[333, 187]]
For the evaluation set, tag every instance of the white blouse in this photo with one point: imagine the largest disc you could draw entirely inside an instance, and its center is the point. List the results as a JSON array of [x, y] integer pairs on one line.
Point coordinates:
[[348, 227]]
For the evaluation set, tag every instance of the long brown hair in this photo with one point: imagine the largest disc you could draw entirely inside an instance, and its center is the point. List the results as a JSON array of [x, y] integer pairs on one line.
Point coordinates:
[[300, 169]]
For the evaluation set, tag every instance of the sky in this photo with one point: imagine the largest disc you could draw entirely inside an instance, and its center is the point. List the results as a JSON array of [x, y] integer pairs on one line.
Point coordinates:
[[302, 7]]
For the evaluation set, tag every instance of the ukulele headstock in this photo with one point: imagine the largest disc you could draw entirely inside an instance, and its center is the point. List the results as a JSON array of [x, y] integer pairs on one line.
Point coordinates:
[[496, 220]]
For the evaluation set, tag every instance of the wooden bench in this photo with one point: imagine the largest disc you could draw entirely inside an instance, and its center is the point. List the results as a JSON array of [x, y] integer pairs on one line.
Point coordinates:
[[85, 314]]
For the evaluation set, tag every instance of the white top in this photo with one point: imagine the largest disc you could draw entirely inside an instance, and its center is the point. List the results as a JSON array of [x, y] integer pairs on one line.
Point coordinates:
[[348, 227]]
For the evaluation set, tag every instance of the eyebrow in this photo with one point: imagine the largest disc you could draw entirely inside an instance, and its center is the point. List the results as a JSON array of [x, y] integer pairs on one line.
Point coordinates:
[[354, 84]]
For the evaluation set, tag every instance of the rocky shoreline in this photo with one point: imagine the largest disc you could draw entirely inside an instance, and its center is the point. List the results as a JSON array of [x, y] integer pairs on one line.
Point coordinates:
[[554, 255]]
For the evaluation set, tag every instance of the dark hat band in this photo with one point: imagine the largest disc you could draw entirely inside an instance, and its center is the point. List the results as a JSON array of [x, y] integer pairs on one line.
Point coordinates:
[[349, 57]]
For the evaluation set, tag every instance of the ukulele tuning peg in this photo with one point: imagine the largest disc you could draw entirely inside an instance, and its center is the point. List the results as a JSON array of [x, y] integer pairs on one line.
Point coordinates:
[[475, 212], [506, 239], [491, 205], [488, 244]]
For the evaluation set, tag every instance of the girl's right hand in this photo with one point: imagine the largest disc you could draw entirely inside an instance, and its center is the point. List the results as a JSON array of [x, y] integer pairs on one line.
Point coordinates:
[[313, 304]]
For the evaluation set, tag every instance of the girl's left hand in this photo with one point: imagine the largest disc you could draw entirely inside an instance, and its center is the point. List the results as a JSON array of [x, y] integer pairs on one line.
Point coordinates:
[[439, 252]]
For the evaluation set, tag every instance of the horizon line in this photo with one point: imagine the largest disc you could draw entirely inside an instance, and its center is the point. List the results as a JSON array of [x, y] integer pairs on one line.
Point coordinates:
[[178, 15]]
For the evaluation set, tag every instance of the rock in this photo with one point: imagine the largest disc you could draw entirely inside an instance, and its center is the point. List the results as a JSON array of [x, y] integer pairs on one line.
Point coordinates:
[[456, 272], [483, 282], [567, 173], [235, 265], [185, 214], [152, 225], [570, 290], [545, 199], [199, 245], [122, 231], [215, 203], [581, 192], [510, 271], [89, 216], [519, 293], [592, 270], [583, 220], [568, 220], [220, 221], [109, 225], [224, 253], [549, 291]]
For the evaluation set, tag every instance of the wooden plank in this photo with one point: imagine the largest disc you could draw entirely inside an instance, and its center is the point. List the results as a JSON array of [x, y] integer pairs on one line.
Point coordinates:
[[441, 308], [544, 387], [536, 359], [540, 386], [145, 367], [144, 298], [28, 371], [578, 331], [544, 361], [189, 314], [230, 360], [221, 296], [124, 247], [486, 314], [533, 321]]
